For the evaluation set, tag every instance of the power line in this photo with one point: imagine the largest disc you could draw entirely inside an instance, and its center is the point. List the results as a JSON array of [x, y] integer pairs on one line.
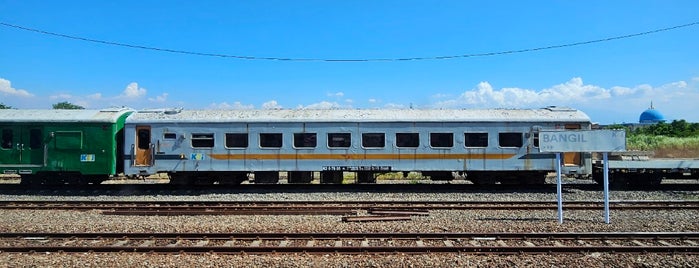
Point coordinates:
[[494, 53]]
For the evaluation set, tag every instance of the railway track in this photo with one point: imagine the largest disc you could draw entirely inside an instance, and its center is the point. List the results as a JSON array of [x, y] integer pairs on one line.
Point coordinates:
[[350, 243], [325, 207]]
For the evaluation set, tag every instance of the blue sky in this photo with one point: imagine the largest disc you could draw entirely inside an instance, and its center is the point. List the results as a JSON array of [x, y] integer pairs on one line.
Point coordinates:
[[612, 81]]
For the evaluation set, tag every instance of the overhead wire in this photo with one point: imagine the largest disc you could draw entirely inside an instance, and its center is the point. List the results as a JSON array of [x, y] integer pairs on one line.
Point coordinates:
[[494, 53]]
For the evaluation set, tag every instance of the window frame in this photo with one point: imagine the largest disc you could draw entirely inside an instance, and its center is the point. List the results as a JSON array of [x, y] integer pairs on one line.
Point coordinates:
[[269, 135], [8, 139], [383, 138], [226, 138], [346, 139], [520, 142], [414, 136], [487, 139], [206, 138], [304, 143], [450, 134]]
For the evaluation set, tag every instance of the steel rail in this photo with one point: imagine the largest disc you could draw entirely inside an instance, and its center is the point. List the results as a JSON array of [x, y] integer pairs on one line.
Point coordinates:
[[233, 206], [349, 243]]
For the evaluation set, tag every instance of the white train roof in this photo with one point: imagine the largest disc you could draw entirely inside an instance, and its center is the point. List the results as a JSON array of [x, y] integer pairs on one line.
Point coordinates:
[[63, 116], [557, 114]]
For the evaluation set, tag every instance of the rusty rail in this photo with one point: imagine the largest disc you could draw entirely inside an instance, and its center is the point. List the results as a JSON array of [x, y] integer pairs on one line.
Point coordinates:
[[351, 243]]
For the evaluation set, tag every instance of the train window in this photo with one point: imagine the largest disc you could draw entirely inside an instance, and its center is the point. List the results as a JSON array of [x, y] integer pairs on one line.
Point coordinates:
[[536, 139], [443, 140], [236, 140], [270, 140], [203, 140], [170, 136], [411, 140], [7, 138], [476, 139], [305, 140], [373, 140], [35, 139], [143, 139], [342, 140], [510, 139], [69, 140]]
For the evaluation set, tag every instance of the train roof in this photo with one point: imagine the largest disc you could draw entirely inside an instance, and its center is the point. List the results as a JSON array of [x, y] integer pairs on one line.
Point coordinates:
[[557, 114], [62, 116]]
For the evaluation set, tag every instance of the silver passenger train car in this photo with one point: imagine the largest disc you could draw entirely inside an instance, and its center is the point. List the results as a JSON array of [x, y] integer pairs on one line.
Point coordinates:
[[225, 146]]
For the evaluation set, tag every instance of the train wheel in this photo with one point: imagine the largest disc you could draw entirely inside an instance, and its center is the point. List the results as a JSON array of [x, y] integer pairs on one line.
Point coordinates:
[[300, 176], [334, 177], [439, 175], [366, 177], [266, 177], [481, 178]]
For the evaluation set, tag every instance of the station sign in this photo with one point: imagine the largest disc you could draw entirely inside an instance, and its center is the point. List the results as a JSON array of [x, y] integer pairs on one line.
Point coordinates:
[[601, 140]]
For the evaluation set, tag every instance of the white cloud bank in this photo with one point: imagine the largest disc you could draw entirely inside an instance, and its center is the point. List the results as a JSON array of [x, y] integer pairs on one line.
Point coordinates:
[[6, 89], [616, 104]]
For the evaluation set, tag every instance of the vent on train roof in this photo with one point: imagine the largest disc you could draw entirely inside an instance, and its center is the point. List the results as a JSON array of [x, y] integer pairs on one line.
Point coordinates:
[[163, 111], [559, 109]]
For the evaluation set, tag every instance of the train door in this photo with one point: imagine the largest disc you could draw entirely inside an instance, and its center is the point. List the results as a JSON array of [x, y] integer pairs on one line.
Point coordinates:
[[21, 145], [144, 146], [572, 159]]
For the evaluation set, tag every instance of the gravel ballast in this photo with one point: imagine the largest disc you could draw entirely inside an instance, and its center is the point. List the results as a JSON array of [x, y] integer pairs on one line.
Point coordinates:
[[437, 222]]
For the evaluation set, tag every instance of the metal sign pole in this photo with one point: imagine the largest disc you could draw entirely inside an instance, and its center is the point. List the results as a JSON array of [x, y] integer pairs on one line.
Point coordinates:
[[606, 187], [559, 188]]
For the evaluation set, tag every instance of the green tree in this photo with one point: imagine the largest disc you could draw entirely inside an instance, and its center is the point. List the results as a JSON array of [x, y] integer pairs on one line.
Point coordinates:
[[67, 106], [3, 106]]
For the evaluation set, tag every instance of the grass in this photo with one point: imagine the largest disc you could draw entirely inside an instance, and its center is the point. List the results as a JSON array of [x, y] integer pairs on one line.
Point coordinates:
[[665, 147]]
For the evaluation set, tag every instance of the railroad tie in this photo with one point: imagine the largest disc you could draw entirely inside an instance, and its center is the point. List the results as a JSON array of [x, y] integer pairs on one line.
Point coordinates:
[[666, 243], [284, 243], [611, 243], [448, 243], [638, 243], [229, 243], [365, 243], [529, 244], [202, 243], [120, 243], [147, 243], [68, 242], [691, 242], [177, 243], [420, 243], [256, 243], [310, 243]]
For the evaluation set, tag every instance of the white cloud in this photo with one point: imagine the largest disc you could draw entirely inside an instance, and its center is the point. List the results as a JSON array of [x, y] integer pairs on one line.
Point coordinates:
[[271, 105], [616, 104], [394, 106], [321, 105], [7, 90], [235, 106], [62, 96], [133, 91], [336, 94], [95, 96], [373, 101], [160, 99]]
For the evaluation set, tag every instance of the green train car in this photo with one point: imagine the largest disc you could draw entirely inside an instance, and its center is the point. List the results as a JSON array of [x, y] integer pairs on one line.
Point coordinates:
[[62, 146]]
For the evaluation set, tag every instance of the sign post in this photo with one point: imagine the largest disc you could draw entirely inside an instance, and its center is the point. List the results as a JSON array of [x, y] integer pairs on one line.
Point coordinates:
[[582, 141]]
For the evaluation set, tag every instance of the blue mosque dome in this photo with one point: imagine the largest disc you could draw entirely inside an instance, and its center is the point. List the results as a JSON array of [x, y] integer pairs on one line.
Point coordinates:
[[651, 116]]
